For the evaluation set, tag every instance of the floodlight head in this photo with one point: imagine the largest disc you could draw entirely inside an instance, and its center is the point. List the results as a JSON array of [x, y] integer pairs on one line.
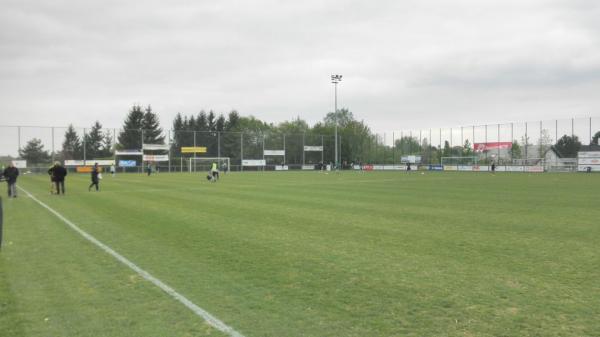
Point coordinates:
[[336, 78]]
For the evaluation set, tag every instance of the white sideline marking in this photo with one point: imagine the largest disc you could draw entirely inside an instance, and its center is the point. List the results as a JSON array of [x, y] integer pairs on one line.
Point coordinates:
[[210, 319]]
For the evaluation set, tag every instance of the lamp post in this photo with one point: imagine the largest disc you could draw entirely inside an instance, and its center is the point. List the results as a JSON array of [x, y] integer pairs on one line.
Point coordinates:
[[335, 79]]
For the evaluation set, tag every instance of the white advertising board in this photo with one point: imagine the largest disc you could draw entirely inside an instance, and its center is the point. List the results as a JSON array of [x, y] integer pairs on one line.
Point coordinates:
[[20, 163], [450, 168], [155, 147], [313, 148], [308, 167], [391, 167], [515, 168], [588, 161], [535, 169], [129, 153], [74, 163], [160, 157], [281, 168], [588, 154], [254, 162], [274, 152], [101, 162], [501, 168], [465, 168]]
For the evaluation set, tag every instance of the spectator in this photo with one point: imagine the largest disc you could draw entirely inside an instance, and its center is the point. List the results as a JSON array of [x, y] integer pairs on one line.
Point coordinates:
[[10, 174]]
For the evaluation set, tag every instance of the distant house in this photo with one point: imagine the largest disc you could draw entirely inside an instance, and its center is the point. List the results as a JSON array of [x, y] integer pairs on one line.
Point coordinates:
[[554, 162]]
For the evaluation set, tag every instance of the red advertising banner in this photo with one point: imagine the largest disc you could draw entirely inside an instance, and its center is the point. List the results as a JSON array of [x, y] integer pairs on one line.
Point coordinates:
[[480, 147]]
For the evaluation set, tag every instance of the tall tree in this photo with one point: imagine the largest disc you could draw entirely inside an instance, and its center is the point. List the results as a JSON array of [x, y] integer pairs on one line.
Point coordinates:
[[107, 144], [515, 150], [595, 138], [71, 147], [178, 133], [567, 146], [94, 141], [220, 124], [130, 138], [201, 122], [152, 131], [34, 152], [233, 120]]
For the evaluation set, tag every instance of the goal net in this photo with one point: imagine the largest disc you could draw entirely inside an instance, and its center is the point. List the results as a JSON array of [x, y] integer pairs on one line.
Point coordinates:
[[205, 164]]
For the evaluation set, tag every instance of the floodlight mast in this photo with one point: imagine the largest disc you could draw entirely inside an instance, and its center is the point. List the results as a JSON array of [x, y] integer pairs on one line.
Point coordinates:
[[335, 79]]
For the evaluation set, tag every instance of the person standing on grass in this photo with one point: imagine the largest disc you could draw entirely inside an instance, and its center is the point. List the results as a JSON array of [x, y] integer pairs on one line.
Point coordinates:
[[214, 171], [149, 169], [112, 170], [52, 180], [493, 167], [95, 177], [10, 174], [58, 174]]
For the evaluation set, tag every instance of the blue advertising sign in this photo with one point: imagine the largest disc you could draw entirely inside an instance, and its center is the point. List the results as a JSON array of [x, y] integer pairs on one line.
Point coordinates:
[[127, 163]]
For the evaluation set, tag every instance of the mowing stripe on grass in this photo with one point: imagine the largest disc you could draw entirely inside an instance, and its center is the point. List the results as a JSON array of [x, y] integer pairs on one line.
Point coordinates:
[[210, 319]]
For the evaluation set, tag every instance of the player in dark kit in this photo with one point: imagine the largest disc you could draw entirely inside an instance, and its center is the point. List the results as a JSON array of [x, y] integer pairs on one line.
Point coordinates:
[[95, 177]]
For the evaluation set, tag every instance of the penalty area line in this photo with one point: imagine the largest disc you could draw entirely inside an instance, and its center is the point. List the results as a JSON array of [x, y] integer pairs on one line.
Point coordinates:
[[210, 319]]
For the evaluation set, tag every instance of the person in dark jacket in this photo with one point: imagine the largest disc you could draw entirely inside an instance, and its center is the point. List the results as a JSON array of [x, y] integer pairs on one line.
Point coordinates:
[[95, 178], [10, 174], [58, 173]]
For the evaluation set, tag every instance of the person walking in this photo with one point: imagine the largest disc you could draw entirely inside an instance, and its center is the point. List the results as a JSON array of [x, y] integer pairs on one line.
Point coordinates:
[[58, 176], [95, 177], [10, 174], [112, 170]]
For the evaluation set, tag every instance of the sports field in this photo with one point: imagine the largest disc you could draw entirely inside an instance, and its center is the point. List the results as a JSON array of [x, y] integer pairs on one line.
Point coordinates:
[[306, 254]]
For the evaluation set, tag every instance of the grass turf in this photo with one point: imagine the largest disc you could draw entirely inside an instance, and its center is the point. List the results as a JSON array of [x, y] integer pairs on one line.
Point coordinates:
[[308, 254]]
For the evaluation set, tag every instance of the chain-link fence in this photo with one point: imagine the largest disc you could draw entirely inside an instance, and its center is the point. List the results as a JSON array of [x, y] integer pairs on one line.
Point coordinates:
[[550, 142]]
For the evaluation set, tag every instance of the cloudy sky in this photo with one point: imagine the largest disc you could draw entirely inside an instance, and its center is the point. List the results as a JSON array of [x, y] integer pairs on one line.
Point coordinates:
[[405, 64]]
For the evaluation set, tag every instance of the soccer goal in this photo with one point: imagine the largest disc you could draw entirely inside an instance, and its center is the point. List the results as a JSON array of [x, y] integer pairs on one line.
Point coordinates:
[[205, 164], [459, 160]]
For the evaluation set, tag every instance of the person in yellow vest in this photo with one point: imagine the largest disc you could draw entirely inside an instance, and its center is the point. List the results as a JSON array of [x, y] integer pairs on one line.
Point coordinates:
[[214, 170]]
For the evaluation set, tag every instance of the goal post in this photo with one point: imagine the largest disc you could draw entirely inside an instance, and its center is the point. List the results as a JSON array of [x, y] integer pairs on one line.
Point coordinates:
[[205, 163]]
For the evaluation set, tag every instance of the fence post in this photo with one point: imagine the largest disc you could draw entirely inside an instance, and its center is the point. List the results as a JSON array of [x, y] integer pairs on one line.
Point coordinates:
[[194, 151], [219, 145], [284, 149], [241, 151], [486, 140], [304, 152], [572, 127], [498, 140], [169, 142], [541, 144], [1, 222], [393, 149], [53, 145], [322, 151], [590, 130], [84, 158], [512, 139], [526, 143], [263, 149]]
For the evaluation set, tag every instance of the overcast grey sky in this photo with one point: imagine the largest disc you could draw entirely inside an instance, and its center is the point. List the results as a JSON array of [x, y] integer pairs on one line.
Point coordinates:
[[405, 64]]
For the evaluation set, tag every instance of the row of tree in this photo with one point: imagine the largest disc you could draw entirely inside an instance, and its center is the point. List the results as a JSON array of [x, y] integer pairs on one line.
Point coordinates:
[[226, 136]]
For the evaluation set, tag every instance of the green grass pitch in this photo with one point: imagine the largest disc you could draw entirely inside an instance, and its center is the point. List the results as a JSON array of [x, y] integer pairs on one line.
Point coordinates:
[[307, 254]]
